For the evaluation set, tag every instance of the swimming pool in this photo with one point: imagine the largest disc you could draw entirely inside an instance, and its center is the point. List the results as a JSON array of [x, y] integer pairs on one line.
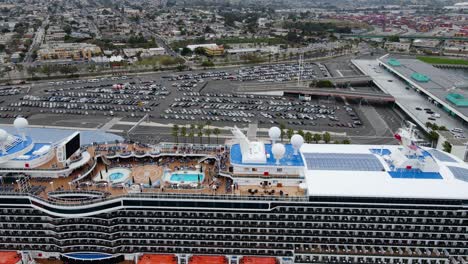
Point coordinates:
[[186, 177], [115, 176]]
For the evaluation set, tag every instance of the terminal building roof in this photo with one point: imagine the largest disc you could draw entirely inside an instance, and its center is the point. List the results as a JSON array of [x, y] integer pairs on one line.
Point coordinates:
[[437, 82]]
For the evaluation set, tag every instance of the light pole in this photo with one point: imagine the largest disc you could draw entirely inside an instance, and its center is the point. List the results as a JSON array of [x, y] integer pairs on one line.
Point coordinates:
[[69, 185], [52, 185]]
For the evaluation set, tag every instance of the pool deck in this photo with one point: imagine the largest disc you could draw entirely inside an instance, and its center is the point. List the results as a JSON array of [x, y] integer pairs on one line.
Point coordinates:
[[142, 170]]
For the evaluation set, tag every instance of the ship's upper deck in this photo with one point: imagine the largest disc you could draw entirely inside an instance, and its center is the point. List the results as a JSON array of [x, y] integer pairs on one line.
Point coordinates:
[[326, 170], [370, 171]]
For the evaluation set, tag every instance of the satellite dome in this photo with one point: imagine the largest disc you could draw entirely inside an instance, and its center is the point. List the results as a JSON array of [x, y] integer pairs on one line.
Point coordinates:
[[3, 135], [274, 133], [20, 123], [278, 151], [297, 141]]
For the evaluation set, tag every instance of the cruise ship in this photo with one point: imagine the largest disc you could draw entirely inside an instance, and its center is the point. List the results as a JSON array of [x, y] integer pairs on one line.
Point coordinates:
[[248, 200]]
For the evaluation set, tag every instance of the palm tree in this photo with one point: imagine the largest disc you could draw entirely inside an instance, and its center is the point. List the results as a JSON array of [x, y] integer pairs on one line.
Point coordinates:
[[192, 132], [308, 137], [175, 133], [200, 135], [290, 133], [200, 131], [216, 131], [208, 133], [326, 137], [317, 138], [183, 133], [282, 128], [300, 132]]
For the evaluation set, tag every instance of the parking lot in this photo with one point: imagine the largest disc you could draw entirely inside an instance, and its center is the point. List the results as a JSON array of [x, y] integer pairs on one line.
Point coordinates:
[[210, 98]]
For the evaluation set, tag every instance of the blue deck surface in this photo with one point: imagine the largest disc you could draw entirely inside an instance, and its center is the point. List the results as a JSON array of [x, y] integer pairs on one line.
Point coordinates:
[[88, 256], [382, 151], [18, 147], [414, 174], [289, 158], [35, 148]]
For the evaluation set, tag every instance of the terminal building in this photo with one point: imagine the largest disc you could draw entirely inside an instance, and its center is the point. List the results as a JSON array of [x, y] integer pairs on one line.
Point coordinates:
[[425, 94], [445, 90]]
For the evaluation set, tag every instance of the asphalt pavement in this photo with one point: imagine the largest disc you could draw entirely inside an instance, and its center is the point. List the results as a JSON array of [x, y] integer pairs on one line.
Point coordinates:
[[211, 101]]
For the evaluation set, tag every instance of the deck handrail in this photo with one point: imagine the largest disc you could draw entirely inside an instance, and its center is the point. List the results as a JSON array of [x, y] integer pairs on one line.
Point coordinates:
[[181, 196]]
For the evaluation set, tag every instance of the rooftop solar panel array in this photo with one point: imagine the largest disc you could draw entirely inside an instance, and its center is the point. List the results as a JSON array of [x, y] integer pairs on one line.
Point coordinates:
[[344, 162], [441, 156], [459, 173]]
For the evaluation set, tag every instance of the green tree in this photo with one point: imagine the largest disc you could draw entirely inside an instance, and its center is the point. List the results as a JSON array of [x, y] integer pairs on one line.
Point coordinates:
[[394, 38], [290, 133], [447, 147], [207, 63], [186, 51], [346, 141], [175, 132], [300, 132], [200, 51], [428, 124], [282, 128], [192, 132], [200, 131], [216, 132], [443, 128], [324, 84], [308, 137], [183, 133], [317, 137], [67, 28], [208, 134], [47, 70], [433, 137], [327, 137]]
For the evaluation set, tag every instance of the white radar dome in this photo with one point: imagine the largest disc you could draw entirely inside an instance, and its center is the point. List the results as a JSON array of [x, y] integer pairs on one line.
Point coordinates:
[[20, 123], [3, 135], [296, 142], [274, 133], [278, 151]]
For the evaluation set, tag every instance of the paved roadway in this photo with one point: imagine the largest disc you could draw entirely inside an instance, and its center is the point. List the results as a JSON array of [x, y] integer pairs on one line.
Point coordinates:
[[37, 41]]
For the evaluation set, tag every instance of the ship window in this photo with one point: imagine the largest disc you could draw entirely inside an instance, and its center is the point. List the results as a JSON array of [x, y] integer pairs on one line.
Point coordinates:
[[279, 170]]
